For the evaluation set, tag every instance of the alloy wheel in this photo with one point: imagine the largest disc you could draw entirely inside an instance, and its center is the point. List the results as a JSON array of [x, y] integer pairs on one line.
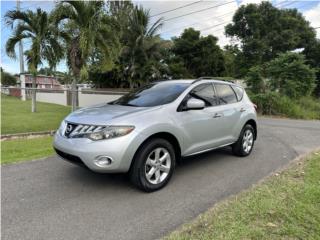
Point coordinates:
[[247, 141], [158, 165]]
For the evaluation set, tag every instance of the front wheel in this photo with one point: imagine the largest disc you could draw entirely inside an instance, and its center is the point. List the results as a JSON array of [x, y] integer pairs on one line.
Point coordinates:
[[153, 165], [245, 143]]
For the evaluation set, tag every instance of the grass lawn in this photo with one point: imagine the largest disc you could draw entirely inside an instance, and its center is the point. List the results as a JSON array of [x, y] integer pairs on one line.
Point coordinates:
[[26, 149], [18, 118], [285, 206]]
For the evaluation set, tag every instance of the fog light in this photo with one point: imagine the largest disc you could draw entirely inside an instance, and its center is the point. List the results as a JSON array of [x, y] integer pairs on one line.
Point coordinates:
[[103, 161]]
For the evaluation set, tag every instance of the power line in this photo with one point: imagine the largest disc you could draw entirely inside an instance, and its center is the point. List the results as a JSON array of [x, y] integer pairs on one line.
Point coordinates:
[[207, 28], [201, 10], [287, 4], [171, 10], [189, 25], [28, 6]]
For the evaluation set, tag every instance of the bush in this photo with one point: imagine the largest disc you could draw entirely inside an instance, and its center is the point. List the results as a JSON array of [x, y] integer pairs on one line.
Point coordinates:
[[7, 79], [273, 103], [290, 75]]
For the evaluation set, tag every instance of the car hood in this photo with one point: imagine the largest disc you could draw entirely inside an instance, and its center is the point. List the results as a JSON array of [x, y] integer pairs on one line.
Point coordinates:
[[102, 114]]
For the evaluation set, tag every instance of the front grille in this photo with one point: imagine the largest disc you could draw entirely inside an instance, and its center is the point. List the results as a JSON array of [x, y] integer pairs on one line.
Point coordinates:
[[76, 130], [71, 158]]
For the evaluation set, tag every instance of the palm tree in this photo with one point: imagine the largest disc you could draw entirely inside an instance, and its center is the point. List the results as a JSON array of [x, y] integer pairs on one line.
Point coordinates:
[[89, 28], [44, 41], [141, 43]]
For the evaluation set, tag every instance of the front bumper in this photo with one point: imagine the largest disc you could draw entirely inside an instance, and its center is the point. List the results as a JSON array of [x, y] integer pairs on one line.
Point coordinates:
[[83, 151]]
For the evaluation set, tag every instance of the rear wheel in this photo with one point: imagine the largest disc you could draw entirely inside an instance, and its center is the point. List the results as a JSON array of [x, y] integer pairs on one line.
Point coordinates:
[[245, 143], [153, 165]]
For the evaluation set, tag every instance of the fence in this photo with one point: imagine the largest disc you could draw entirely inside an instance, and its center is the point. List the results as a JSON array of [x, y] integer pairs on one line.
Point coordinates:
[[63, 97]]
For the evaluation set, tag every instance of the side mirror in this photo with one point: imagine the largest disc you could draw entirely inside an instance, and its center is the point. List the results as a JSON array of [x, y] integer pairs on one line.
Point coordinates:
[[194, 103]]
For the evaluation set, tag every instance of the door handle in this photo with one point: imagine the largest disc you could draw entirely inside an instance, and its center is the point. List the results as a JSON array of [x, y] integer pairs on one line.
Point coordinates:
[[217, 115], [242, 110]]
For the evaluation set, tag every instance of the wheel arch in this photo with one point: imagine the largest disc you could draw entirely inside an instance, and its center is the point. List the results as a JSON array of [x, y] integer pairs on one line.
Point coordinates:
[[164, 135], [253, 123]]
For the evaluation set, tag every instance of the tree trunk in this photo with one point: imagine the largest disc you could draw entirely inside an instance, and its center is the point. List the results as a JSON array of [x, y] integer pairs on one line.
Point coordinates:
[[74, 95], [34, 92]]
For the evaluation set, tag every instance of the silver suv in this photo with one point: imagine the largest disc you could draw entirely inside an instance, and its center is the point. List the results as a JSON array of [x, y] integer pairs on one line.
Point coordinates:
[[147, 131]]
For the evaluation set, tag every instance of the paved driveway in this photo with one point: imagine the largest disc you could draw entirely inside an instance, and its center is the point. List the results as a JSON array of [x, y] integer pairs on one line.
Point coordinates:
[[52, 199]]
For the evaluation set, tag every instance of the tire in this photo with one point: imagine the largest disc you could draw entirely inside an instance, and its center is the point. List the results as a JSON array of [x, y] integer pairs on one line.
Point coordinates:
[[147, 172], [239, 148]]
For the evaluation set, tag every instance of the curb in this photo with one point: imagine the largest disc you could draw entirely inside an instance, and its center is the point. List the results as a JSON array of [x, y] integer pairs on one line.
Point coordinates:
[[29, 135]]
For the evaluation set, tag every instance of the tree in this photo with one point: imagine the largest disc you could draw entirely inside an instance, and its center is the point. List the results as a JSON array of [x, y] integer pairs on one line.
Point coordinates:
[[46, 71], [256, 79], [45, 41], [265, 31], [312, 53], [88, 26], [141, 52], [290, 75], [201, 55], [7, 79]]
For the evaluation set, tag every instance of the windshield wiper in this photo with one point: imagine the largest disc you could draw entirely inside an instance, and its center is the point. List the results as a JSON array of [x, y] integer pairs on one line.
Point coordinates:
[[127, 104]]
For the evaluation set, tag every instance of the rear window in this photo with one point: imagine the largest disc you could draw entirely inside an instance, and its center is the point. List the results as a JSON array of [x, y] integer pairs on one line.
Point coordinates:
[[225, 94]]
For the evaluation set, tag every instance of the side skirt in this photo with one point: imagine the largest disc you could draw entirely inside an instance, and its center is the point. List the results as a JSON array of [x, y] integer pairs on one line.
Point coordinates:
[[209, 149]]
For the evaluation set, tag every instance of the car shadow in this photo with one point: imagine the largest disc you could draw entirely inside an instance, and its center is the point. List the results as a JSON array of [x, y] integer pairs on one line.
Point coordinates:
[[187, 165], [205, 157]]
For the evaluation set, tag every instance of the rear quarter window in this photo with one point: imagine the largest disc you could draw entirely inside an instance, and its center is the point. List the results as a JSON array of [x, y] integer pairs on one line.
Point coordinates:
[[225, 93], [239, 92]]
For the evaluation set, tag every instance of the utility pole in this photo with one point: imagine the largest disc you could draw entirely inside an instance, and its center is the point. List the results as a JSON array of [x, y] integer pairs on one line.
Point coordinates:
[[20, 46], [22, 77]]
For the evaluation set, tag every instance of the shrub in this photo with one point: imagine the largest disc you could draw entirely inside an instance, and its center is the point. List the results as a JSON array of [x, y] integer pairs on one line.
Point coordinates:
[[290, 75], [272, 103]]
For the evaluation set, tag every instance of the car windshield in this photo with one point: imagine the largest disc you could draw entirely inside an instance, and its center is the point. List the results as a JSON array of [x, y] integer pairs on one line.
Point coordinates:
[[153, 94]]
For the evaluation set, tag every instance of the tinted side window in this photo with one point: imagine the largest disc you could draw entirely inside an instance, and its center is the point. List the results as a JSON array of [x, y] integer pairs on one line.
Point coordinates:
[[239, 92], [206, 93], [225, 93]]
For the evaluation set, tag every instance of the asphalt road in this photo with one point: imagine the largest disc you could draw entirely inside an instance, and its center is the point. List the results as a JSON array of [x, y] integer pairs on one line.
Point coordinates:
[[52, 199]]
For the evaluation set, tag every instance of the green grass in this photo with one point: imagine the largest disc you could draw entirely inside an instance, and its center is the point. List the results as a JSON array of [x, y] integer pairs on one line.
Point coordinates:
[[285, 206], [18, 118], [272, 103], [25, 149]]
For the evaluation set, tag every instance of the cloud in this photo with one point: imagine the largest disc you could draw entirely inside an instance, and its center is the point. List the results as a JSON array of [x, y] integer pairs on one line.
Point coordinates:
[[244, 2], [11, 67], [313, 16], [212, 20]]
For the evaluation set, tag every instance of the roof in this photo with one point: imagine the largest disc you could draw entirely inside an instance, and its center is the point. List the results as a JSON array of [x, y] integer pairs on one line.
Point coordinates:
[[42, 79], [38, 75], [191, 81]]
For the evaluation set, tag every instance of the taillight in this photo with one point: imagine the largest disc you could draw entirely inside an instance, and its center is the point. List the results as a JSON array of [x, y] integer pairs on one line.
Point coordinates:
[[255, 106]]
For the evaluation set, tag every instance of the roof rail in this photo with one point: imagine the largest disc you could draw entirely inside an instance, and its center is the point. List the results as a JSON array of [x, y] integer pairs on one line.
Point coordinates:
[[210, 78], [201, 78]]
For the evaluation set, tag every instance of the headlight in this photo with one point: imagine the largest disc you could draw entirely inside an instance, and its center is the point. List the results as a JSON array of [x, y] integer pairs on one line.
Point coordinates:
[[62, 127], [110, 132]]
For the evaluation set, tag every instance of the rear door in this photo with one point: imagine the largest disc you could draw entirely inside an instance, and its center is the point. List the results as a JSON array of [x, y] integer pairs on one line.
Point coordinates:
[[229, 110]]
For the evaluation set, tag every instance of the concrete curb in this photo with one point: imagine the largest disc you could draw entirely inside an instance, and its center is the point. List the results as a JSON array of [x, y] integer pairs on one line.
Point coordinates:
[[29, 135]]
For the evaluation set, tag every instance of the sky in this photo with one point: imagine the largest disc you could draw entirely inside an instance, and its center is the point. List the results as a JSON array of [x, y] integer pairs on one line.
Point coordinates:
[[213, 15]]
